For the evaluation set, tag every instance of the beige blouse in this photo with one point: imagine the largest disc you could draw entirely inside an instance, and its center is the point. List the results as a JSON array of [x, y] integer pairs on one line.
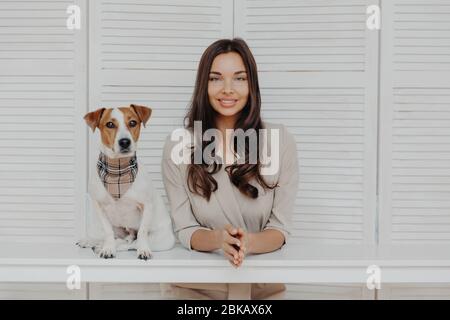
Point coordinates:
[[227, 205]]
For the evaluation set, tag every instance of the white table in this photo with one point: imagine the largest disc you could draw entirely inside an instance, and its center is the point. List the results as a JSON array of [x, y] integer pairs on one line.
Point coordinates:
[[291, 264]]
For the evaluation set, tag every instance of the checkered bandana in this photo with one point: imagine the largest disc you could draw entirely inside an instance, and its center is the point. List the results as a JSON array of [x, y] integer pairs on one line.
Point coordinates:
[[117, 175]]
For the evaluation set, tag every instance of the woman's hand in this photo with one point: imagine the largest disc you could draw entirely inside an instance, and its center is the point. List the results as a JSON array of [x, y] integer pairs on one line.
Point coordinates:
[[245, 239], [231, 244]]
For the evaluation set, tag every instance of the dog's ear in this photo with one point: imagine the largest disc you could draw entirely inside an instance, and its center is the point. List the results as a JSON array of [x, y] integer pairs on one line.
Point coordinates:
[[93, 118], [143, 113]]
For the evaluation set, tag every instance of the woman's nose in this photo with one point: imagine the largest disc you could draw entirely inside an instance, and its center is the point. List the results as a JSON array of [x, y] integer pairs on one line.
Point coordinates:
[[227, 86]]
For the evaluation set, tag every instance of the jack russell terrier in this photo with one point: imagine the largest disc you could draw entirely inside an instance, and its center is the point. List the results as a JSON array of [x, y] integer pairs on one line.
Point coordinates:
[[130, 210]]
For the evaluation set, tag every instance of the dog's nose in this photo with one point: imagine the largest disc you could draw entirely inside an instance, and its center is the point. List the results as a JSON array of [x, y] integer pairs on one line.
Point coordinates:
[[124, 143]]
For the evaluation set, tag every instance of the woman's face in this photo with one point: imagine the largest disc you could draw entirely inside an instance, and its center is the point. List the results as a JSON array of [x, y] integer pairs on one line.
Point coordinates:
[[228, 85]]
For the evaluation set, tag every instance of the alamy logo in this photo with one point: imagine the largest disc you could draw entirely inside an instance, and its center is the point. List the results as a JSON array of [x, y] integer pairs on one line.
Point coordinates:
[[74, 19], [245, 140], [374, 19], [374, 279], [73, 281]]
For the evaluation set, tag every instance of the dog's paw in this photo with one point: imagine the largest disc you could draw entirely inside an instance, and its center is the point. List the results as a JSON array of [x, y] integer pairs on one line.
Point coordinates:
[[87, 243], [144, 253], [107, 252]]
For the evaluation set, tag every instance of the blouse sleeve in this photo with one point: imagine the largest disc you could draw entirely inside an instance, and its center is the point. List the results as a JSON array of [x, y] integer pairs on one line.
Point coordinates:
[[286, 191], [185, 223]]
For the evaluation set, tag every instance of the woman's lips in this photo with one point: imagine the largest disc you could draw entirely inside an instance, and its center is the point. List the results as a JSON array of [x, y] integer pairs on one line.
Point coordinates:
[[227, 103]]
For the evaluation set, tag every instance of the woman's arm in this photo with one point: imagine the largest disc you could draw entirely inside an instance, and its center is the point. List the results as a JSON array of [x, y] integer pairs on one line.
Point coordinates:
[[265, 241], [260, 242], [206, 240]]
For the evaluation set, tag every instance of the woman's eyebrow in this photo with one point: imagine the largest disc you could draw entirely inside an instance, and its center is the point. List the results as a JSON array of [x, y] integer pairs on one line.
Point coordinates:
[[218, 73]]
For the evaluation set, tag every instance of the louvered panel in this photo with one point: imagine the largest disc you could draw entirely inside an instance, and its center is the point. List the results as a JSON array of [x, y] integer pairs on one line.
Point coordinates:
[[41, 291], [414, 292], [305, 35], [421, 36], [34, 32], [41, 97], [129, 291], [99, 291], [414, 184], [327, 292], [157, 35], [415, 131]]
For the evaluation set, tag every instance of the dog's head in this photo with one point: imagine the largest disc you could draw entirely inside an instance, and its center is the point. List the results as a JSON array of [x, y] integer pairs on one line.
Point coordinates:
[[119, 128]]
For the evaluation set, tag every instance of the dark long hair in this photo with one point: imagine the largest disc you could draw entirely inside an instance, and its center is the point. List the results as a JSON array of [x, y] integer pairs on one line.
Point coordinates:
[[200, 179]]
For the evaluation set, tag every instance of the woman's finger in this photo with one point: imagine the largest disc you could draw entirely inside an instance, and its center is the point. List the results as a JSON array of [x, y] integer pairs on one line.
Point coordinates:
[[232, 240], [239, 262], [228, 238], [230, 250], [231, 259], [241, 235], [231, 230]]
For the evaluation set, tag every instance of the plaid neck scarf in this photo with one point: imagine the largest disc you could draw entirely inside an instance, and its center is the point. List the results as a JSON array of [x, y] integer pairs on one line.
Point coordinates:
[[117, 175]]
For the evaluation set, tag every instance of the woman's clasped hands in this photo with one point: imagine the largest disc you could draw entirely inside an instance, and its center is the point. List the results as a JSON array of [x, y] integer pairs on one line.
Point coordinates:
[[235, 244]]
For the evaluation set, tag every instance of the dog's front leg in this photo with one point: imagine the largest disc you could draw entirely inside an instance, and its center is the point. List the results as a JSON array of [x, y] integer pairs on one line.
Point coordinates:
[[143, 247], [108, 249]]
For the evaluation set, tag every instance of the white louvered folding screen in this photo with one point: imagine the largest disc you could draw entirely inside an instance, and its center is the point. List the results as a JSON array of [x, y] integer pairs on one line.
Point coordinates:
[[42, 140], [317, 63], [318, 66], [415, 122]]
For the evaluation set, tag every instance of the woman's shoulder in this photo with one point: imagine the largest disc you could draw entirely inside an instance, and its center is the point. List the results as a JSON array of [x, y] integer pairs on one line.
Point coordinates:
[[284, 133]]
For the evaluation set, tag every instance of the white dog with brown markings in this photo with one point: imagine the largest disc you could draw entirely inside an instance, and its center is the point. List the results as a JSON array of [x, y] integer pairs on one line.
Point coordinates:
[[131, 212]]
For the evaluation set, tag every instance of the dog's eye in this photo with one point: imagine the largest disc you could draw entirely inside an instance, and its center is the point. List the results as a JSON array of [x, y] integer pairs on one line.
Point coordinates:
[[110, 125], [133, 123]]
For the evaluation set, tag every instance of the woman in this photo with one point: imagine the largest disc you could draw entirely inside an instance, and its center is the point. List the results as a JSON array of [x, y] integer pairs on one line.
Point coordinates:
[[228, 204]]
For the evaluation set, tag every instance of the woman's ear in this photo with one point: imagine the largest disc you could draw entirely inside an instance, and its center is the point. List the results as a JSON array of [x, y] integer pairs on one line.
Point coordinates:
[[143, 112], [93, 118]]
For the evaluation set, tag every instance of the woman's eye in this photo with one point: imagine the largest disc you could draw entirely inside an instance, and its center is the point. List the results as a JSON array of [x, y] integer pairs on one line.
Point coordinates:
[[110, 125], [133, 123], [241, 79], [213, 79]]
